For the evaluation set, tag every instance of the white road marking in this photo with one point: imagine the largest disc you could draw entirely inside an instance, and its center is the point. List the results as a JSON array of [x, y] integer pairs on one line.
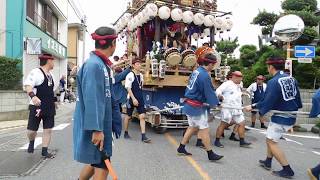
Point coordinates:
[[61, 126], [317, 153], [286, 134], [57, 128], [290, 140], [37, 142]]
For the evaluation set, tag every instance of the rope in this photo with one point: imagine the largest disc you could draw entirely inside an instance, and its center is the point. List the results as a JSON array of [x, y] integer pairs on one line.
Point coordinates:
[[290, 113]]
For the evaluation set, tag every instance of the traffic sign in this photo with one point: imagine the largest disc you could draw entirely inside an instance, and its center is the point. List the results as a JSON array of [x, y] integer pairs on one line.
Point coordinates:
[[305, 51], [305, 60]]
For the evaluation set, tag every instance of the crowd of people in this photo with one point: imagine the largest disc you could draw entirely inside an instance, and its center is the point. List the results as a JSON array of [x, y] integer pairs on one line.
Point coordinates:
[[101, 95]]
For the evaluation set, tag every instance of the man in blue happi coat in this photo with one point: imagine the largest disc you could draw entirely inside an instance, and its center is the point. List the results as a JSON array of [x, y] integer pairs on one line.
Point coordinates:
[[282, 94], [92, 131], [315, 112], [200, 96], [257, 91]]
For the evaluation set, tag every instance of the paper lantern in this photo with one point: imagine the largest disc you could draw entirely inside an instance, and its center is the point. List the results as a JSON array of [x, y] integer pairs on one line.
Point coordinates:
[[209, 20], [176, 14], [164, 12], [229, 24], [187, 17], [152, 9], [206, 32], [140, 19], [130, 27], [218, 23], [202, 35], [198, 19], [195, 36]]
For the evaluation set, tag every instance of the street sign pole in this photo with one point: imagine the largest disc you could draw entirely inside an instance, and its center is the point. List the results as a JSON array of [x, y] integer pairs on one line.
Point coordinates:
[[288, 58]]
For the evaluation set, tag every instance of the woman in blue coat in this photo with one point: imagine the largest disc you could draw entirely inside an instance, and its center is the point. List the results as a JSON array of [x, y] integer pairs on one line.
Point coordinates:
[[92, 128]]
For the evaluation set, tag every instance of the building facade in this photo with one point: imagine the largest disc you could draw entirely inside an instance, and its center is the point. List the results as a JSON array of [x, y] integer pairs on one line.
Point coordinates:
[[46, 30], [31, 27], [75, 45]]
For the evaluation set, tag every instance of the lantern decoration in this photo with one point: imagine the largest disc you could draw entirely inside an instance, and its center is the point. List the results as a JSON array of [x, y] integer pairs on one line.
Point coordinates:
[[206, 32], [209, 20], [130, 26], [135, 22], [195, 36], [229, 24], [154, 68], [198, 19], [162, 69], [176, 14], [218, 23], [187, 17], [152, 10], [202, 35], [140, 19], [164, 12]]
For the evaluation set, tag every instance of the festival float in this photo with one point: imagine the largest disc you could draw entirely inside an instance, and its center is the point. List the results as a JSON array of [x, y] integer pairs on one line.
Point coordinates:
[[165, 35]]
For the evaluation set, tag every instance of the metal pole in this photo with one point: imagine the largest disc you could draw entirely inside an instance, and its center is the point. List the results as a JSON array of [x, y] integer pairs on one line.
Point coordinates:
[[84, 30], [288, 58]]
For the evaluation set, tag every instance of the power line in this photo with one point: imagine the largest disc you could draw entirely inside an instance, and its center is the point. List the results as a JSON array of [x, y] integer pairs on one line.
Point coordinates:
[[76, 10]]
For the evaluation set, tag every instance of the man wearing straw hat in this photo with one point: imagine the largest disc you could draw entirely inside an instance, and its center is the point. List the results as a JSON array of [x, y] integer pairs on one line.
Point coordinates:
[[282, 94], [200, 96]]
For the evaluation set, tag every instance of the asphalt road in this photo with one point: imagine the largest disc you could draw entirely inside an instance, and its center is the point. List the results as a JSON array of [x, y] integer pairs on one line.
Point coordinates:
[[134, 160]]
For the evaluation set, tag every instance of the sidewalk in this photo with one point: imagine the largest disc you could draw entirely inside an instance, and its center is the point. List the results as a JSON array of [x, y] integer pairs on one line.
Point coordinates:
[[12, 124]]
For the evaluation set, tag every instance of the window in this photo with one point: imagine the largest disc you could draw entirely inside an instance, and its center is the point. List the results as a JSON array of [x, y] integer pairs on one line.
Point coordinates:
[[43, 16], [31, 6], [55, 27]]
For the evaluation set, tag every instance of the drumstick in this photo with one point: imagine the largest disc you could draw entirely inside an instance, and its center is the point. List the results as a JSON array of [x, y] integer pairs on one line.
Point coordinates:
[[105, 157]]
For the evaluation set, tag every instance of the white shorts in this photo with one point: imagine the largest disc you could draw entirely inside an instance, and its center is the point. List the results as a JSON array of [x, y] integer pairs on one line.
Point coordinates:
[[200, 122], [229, 115], [275, 131]]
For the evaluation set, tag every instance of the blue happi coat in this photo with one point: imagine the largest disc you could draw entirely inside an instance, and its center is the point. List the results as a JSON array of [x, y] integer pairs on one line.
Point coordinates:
[[120, 92], [315, 110], [120, 96], [282, 94], [93, 110], [200, 88]]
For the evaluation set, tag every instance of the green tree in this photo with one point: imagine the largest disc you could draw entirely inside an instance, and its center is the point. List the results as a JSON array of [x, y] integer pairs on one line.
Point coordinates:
[[248, 55], [261, 67], [227, 46], [299, 5], [309, 34], [266, 20], [10, 75]]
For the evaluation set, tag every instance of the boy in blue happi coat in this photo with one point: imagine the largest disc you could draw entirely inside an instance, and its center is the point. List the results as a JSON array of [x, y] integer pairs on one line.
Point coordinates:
[[92, 130], [315, 112], [282, 94], [200, 96]]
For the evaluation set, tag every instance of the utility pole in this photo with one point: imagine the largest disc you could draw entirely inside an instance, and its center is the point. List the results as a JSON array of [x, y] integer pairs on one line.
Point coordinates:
[[84, 31]]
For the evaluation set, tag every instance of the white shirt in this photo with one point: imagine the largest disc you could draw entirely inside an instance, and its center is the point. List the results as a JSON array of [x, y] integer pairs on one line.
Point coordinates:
[[130, 78], [253, 88], [36, 78], [231, 92]]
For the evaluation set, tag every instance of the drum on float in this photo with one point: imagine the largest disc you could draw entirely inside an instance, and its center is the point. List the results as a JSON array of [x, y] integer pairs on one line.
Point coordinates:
[[172, 56], [189, 58]]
